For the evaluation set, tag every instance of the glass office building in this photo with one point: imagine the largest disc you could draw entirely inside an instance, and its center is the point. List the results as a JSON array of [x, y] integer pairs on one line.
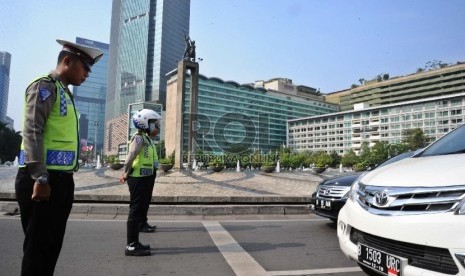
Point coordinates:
[[5, 62], [90, 99], [233, 115], [147, 40]]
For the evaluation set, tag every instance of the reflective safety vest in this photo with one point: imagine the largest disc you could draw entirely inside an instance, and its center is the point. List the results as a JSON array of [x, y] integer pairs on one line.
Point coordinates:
[[145, 161], [61, 134]]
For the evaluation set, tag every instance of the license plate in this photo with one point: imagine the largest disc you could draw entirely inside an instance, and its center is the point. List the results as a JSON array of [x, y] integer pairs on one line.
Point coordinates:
[[379, 260], [323, 204]]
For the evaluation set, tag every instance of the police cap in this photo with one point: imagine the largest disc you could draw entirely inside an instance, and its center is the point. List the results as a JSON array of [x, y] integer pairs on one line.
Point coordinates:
[[88, 55]]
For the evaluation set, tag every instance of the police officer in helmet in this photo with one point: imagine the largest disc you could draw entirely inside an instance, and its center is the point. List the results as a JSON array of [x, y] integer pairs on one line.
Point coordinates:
[[140, 171]]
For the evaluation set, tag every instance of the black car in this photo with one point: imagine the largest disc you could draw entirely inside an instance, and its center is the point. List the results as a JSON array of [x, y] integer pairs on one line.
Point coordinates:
[[331, 194]]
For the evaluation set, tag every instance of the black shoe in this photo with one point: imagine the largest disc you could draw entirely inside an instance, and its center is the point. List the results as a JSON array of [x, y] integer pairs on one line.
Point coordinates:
[[136, 249], [144, 246], [147, 228]]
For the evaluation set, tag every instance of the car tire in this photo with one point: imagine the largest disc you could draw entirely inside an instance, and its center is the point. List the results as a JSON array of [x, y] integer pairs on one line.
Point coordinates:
[[368, 271]]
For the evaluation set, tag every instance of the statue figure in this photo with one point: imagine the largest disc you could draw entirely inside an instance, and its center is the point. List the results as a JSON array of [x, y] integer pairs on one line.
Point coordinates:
[[189, 51]]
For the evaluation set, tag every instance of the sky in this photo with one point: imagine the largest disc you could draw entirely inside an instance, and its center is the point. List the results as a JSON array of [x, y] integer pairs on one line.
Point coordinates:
[[326, 44]]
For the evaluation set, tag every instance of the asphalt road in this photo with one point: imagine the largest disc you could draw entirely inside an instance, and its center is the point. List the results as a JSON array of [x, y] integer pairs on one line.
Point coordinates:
[[303, 246]]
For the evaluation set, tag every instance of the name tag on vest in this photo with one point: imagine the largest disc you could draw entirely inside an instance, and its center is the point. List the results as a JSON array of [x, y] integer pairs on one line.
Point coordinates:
[[145, 171]]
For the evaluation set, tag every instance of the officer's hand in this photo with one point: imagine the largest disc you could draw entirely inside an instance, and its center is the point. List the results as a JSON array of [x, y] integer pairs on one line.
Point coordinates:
[[41, 192], [122, 178]]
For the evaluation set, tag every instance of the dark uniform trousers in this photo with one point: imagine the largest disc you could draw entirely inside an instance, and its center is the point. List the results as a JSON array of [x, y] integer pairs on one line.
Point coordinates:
[[140, 191], [44, 223]]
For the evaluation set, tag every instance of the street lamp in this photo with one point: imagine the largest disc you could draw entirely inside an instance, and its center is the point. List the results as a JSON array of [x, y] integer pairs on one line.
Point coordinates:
[[96, 124]]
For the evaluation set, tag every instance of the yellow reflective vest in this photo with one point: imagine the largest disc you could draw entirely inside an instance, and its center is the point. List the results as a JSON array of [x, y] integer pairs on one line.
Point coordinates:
[[61, 134], [144, 163]]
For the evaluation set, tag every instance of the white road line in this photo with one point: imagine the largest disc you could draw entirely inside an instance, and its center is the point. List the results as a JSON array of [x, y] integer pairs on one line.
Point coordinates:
[[238, 259], [317, 271]]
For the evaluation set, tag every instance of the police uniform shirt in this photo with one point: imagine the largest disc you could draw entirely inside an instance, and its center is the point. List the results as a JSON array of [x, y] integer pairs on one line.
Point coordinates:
[[40, 97], [134, 149]]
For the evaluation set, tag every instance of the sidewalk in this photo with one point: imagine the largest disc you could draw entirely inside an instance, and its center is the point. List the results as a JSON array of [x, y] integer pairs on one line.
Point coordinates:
[[188, 192]]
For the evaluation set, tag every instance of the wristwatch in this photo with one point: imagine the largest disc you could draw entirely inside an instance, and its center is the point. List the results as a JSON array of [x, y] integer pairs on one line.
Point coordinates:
[[43, 179]]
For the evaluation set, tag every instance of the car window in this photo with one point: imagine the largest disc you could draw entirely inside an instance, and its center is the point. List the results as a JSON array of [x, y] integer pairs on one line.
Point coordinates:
[[451, 143]]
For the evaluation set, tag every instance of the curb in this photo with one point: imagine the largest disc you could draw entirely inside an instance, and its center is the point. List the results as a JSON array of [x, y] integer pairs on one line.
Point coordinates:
[[11, 208], [93, 198]]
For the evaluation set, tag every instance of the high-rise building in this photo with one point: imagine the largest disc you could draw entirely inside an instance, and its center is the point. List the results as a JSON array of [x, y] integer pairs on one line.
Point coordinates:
[[348, 130], [90, 100], [5, 61], [422, 85], [147, 40], [381, 109], [232, 116], [9, 123]]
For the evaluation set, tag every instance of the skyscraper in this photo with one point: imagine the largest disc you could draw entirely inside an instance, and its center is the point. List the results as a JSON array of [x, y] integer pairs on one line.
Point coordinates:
[[5, 61], [90, 99], [147, 40]]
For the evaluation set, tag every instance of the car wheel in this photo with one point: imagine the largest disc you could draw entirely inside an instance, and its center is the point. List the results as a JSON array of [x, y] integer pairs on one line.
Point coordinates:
[[368, 271]]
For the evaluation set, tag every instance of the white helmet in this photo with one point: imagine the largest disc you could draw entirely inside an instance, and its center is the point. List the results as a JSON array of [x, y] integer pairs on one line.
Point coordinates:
[[141, 118]]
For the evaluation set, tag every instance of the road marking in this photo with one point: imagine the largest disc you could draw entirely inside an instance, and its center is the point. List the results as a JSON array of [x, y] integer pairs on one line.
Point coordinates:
[[238, 259], [317, 271]]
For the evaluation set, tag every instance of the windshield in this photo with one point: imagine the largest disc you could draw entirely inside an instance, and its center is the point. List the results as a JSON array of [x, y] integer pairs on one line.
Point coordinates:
[[451, 143]]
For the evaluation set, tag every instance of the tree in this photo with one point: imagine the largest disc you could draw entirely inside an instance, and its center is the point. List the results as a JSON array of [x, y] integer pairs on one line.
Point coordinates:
[[365, 153], [296, 160], [362, 81], [322, 159], [349, 159], [379, 153], [161, 150], [396, 149], [414, 138], [335, 159], [10, 141], [435, 64]]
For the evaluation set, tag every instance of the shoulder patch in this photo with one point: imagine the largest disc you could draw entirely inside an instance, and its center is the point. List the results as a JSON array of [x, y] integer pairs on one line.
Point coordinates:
[[44, 94], [138, 139]]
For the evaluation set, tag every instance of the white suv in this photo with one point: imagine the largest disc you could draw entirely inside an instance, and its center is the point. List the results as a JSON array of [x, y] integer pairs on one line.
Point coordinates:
[[408, 218]]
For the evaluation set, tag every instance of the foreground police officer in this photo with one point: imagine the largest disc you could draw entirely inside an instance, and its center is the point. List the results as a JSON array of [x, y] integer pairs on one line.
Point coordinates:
[[140, 172], [49, 154]]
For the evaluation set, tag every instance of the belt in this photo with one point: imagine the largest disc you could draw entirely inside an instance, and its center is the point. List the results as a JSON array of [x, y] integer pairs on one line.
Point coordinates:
[[51, 172], [60, 172]]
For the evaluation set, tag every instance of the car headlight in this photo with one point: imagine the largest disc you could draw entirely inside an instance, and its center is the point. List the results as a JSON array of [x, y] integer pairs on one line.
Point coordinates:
[[354, 188], [353, 191]]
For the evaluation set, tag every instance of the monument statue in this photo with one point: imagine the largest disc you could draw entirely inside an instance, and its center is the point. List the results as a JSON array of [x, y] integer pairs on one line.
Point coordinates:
[[189, 51]]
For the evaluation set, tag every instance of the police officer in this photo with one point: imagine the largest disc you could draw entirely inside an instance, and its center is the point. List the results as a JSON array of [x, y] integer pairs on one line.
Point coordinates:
[[49, 154], [140, 172]]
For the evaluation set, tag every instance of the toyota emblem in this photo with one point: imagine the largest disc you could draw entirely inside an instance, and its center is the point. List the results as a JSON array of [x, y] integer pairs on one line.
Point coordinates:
[[381, 198], [327, 192]]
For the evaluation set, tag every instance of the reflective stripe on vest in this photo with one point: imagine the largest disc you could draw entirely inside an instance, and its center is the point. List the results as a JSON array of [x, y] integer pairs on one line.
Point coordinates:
[[61, 133], [145, 160]]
